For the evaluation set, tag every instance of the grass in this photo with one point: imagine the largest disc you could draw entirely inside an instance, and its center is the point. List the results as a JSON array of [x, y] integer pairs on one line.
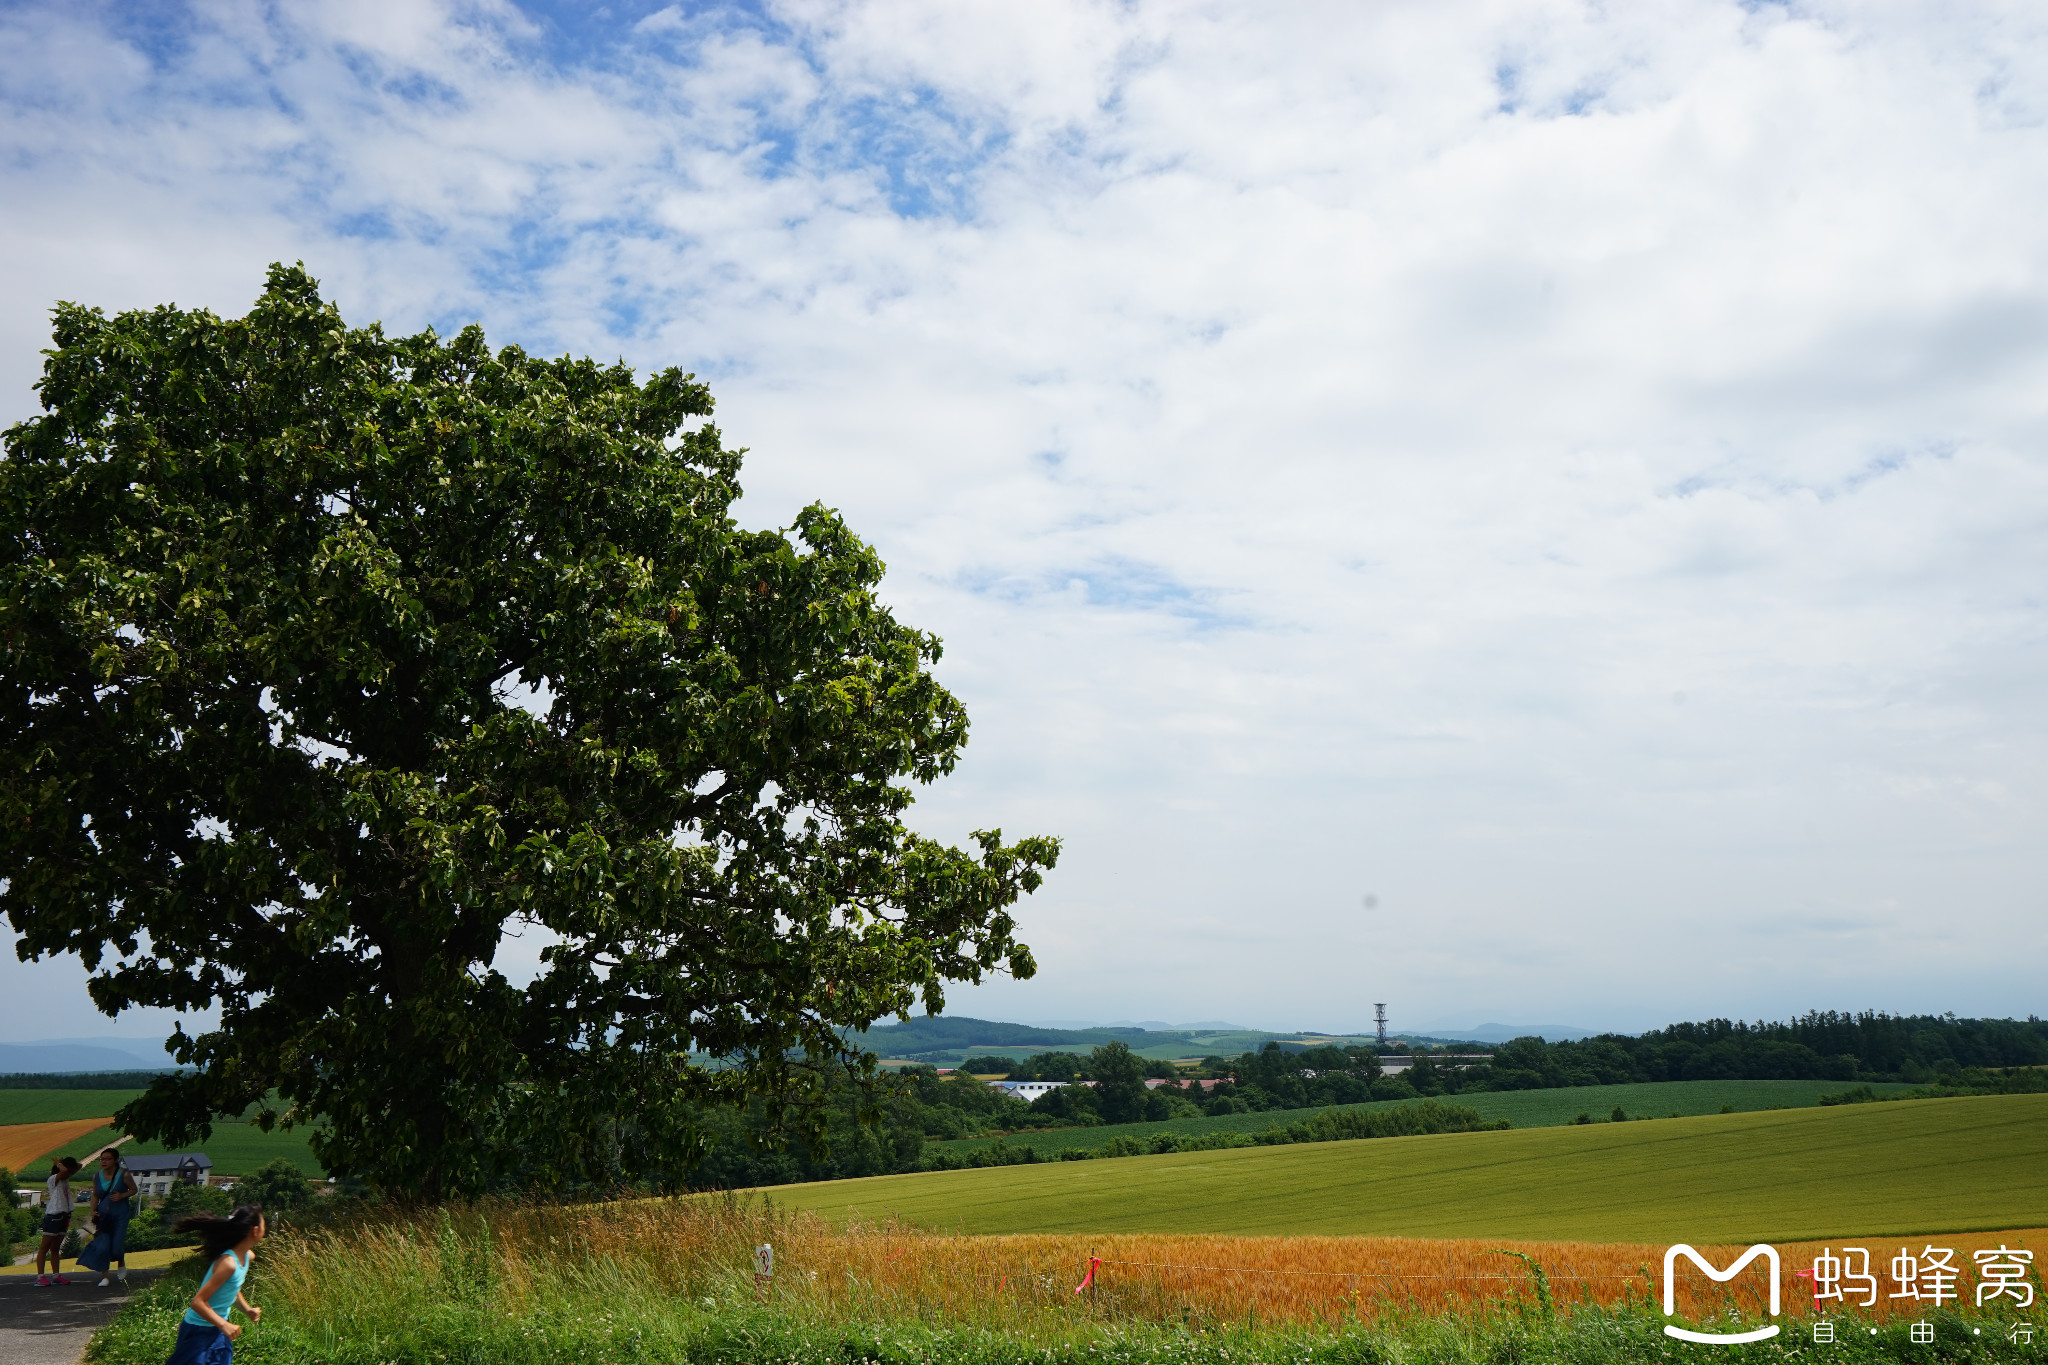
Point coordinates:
[[49, 1106], [236, 1149], [1913, 1165], [137, 1260], [668, 1281], [1523, 1108], [243, 1149]]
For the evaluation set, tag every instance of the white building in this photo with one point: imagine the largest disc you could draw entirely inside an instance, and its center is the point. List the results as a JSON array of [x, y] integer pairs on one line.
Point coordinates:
[[1026, 1091], [154, 1175]]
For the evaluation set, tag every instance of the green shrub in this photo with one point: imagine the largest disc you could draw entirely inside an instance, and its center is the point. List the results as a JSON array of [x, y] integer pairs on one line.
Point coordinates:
[[151, 1231], [280, 1187], [17, 1225], [184, 1199], [987, 1066]]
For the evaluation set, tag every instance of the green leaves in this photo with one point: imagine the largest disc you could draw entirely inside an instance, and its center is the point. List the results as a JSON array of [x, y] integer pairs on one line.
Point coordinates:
[[330, 660]]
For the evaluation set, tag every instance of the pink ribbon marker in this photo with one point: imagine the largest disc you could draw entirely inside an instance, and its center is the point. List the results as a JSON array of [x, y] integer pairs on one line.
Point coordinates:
[[1094, 1262]]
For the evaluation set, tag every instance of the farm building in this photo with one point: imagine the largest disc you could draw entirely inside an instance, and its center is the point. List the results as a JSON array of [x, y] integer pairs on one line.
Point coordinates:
[[1395, 1063], [1026, 1090], [154, 1175]]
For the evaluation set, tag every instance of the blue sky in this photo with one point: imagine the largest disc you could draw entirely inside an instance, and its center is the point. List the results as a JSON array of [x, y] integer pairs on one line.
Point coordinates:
[[1572, 473]]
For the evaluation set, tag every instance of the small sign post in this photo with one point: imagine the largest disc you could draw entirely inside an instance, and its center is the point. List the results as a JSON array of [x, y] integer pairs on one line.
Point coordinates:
[[764, 1270]]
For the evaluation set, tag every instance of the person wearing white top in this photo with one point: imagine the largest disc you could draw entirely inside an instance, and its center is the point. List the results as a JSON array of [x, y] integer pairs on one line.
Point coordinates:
[[56, 1221]]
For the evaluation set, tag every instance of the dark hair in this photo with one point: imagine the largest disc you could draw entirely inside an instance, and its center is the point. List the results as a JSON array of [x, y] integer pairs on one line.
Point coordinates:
[[110, 1151], [217, 1233], [67, 1163]]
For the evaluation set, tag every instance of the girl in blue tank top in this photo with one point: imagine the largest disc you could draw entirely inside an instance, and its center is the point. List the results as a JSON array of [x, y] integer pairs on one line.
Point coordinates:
[[206, 1337]]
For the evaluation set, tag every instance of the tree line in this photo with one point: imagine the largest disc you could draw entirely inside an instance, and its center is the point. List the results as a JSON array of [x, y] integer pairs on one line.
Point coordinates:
[[1937, 1050], [883, 1130], [1820, 1045], [890, 1135]]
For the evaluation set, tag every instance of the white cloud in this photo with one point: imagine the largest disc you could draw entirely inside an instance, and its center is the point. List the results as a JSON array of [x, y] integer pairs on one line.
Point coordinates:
[[1574, 471]]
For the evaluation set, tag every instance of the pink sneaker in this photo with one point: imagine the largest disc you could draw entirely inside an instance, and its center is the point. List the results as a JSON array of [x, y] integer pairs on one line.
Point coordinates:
[[42, 1281], [63, 1279]]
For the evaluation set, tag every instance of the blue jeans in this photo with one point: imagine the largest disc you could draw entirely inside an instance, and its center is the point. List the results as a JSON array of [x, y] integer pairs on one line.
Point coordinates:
[[110, 1244], [201, 1344]]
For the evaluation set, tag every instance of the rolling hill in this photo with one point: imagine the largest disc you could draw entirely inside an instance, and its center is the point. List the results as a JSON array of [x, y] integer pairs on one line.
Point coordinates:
[[1522, 1108], [1909, 1166]]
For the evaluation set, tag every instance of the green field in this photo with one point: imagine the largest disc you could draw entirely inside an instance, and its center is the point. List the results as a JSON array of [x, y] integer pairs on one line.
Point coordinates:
[[236, 1149], [1911, 1166], [1523, 1108], [53, 1106]]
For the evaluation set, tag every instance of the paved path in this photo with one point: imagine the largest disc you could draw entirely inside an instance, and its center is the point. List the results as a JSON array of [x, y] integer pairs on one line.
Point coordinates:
[[51, 1326]]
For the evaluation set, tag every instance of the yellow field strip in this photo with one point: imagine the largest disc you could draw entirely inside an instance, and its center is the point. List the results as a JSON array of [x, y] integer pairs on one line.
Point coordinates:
[[22, 1143], [137, 1260], [1326, 1278]]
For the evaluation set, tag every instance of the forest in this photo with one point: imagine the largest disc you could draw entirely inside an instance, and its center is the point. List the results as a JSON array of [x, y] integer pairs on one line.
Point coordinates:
[[1820, 1045]]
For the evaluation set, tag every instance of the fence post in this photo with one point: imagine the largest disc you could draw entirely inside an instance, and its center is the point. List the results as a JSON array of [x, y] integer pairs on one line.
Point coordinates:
[[1088, 1279]]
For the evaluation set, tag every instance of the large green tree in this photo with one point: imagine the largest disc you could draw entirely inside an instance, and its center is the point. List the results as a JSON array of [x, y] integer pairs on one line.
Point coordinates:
[[1119, 1076], [328, 660]]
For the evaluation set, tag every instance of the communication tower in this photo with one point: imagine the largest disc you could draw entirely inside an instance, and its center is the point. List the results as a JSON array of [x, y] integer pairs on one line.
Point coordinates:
[[1379, 1017]]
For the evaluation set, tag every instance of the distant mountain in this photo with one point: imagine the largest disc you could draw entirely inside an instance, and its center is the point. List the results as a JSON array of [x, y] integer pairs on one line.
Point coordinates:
[[1149, 1025], [948, 1033], [55, 1057], [1549, 1033], [948, 1038]]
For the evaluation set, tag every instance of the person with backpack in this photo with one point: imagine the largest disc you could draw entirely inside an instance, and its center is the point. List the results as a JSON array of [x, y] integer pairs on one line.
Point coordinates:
[[228, 1244], [113, 1204], [57, 1206]]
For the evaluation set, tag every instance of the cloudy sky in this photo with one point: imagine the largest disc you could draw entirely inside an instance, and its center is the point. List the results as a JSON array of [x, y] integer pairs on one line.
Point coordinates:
[[1526, 511]]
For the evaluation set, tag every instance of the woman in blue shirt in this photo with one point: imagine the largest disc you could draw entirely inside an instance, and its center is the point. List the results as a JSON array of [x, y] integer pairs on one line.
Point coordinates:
[[206, 1337], [113, 1204]]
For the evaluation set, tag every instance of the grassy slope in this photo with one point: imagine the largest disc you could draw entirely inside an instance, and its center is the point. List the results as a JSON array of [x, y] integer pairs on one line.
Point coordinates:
[[1787, 1175], [240, 1149], [1523, 1108], [48, 1106]]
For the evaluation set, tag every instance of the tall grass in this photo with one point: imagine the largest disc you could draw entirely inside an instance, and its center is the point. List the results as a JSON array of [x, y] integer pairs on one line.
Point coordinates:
[[520, 1258], [661, 1279]]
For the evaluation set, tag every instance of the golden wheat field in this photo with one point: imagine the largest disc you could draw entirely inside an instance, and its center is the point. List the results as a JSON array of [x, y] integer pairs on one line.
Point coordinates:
[[22, 1143], [871, 1272]]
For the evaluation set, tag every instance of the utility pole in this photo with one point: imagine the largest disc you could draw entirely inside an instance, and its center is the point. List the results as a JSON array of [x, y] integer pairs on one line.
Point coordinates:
[[1379, 1016]]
